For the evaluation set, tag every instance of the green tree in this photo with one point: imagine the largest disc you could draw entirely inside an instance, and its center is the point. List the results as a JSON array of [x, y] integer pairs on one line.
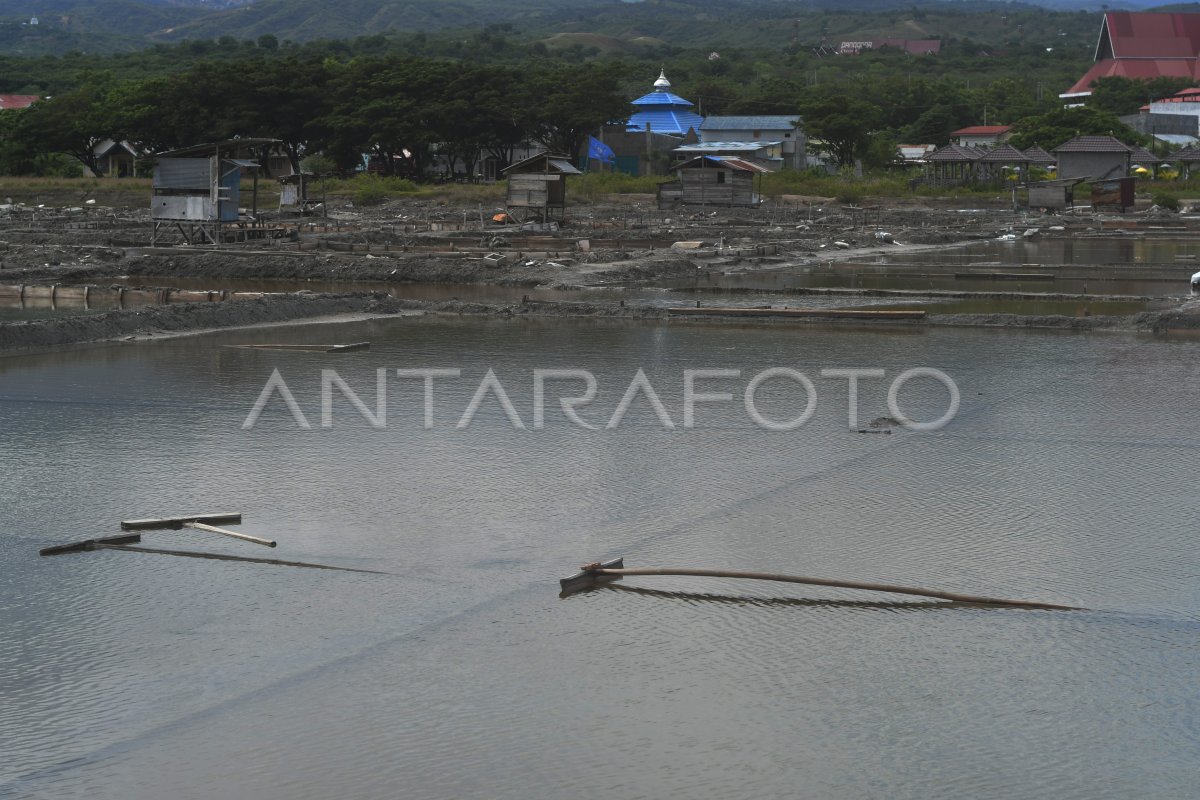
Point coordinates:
[[73, 123], [838, 123], [1055, 127]]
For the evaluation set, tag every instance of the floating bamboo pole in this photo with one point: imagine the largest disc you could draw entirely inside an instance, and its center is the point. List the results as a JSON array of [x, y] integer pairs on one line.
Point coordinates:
[[89, 544], [591, 574], [200, 526], [177, 522]]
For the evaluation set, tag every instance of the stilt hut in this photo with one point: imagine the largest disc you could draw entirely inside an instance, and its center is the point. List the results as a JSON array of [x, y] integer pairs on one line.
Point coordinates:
[[537, 186], [197, 191], [715, 181]]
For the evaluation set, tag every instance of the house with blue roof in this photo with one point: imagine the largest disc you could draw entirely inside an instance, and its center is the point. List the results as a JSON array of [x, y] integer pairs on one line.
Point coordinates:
[[780, 135]]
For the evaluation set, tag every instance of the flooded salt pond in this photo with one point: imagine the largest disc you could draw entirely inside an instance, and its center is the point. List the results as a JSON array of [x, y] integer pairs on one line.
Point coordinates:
[[1067, 476]]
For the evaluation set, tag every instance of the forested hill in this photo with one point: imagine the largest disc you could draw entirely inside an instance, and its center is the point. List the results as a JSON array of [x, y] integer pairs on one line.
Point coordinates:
[[97, 26]]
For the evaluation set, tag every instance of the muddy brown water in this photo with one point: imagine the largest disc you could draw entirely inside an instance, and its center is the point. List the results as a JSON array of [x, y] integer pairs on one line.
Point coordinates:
[[1068, 475]]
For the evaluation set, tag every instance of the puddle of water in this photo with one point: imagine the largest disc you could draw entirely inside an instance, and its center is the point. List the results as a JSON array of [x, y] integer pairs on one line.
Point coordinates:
[[1066, 308]]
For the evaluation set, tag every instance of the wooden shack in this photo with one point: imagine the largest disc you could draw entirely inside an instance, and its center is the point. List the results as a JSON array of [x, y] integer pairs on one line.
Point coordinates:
[[537, 187], [1115, 194], [714, 181], [1053, 195], [197, 192]]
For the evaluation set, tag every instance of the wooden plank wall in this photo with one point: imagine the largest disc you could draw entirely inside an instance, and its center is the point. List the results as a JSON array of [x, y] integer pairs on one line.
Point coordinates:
[[700, 186]]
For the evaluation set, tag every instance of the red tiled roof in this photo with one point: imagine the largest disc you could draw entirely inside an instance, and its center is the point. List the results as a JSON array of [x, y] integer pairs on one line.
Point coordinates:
[[17, 100], [1143, 46], [1126, 34], [1136, 69], [918, 47], [983, 130]]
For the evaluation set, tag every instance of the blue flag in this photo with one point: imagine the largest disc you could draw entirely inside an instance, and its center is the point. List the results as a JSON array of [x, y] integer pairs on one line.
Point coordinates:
[[599, 151]]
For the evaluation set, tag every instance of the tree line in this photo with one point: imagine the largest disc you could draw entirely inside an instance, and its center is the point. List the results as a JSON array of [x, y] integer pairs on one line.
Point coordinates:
[[403, 109], [398, 109]]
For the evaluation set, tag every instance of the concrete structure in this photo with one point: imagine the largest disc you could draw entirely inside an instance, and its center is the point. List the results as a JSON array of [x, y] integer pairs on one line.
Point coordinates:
[[785, 129], [640, 152], [1093, 157]]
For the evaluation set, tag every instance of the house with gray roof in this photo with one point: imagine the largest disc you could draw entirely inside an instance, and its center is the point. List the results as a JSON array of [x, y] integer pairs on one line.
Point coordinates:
[[784, 129], [1093, 157]]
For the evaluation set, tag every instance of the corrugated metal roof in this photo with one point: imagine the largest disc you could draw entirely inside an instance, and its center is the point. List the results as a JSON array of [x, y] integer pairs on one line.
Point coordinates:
[[564, 166], [1093, 144], [732, 162], [752, 123], [665, 120], [662, 99], [1176, 138], [551, 162], [738, 147], [231, 146]]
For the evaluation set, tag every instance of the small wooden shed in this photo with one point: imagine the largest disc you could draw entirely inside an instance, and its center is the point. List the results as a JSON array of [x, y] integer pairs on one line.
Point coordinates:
[[1053, 195], [537, 186], [715, 181], [197, 191]]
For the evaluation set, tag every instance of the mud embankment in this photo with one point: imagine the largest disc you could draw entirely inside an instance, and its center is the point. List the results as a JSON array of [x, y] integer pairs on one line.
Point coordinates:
[[186, 318]]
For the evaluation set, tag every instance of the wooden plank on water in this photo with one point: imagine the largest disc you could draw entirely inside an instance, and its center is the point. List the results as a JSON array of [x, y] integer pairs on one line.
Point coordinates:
[[830, 313], [1003, 276], [177, 522], [308, 348], [587, 578], [90, 544]]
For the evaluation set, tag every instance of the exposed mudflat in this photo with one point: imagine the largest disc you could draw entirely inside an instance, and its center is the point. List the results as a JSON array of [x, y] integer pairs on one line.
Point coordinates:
[[617, 245]]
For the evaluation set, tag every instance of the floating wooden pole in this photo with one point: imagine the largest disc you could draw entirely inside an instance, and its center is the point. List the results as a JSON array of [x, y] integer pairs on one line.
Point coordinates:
[[592, 574], [90, 544], [831, 313], [177, 522], [200, 526], [587, 578], [306, 348]]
